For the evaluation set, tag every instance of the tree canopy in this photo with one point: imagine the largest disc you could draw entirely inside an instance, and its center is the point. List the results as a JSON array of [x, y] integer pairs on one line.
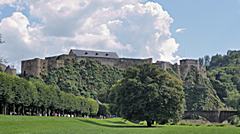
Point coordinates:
[[20, 96], [86, 78], [147, 93], [224, 73]]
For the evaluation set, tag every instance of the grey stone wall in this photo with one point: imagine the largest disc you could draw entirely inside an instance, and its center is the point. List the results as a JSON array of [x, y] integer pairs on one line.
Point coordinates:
[[8, 69], [164, 65], [184, 67], [32, 67], [127, 62], [38, 67]]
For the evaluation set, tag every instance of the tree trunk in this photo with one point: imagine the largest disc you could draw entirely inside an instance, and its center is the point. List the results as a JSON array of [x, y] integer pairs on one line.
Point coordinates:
[[149, 123], [37, 111], [49, 112], [42, 111], [5, 109], [2, 109], [18, 109], [14, 109], [23, 110], [30, 110]]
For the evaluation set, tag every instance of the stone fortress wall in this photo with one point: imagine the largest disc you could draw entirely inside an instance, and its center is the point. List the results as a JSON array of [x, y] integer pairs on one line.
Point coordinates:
[[184, 67], [8, 69], [37, 67]]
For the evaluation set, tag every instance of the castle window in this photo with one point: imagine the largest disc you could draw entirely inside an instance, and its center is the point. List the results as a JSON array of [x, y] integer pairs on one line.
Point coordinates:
[[96, 53], [86, 53], [107, 54]]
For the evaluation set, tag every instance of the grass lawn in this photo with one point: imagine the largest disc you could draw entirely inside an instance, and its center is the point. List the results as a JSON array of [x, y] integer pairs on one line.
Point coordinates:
[[60, 125]]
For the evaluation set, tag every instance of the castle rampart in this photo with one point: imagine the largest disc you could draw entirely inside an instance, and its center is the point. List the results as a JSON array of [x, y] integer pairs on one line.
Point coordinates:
[[38, 67]]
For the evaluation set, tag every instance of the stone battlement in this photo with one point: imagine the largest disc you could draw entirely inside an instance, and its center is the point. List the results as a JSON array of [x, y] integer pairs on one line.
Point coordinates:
[[184, 67]]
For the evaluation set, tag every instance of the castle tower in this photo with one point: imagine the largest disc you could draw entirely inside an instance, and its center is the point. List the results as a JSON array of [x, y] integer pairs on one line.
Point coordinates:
[[186, 65], [31, 67]]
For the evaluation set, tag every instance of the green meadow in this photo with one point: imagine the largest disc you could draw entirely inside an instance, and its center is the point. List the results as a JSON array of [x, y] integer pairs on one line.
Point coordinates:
[[62, 125]]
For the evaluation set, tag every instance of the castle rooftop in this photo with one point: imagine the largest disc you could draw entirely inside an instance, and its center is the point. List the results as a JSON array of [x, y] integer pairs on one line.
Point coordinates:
[[95, 54]]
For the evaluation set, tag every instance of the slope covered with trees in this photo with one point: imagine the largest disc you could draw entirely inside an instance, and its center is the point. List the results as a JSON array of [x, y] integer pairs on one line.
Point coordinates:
[[224, 73], [86, 78], [199, 92], [92, 79]]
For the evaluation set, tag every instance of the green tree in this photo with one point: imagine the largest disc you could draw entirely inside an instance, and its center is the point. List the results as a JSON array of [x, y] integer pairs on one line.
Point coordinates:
[[233, 100], [33, 96], [207, 60], [104, 110], [7, 95], [24, 94], [150, 94], [224, 72]]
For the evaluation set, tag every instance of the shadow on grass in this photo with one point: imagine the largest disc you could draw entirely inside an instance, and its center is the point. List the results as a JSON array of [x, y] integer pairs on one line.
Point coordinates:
[[117, 124]]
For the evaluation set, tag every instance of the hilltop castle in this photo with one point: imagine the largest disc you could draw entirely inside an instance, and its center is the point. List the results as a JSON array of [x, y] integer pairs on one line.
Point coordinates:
[[38, 67]]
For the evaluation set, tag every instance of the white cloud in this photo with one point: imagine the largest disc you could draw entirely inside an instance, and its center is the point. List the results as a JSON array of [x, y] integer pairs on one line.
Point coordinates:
[[16, 33], [180, 30], [5, 2], [131, 28]]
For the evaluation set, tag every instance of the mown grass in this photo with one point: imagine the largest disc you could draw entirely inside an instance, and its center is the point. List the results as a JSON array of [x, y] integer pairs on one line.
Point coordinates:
[[61, 125]]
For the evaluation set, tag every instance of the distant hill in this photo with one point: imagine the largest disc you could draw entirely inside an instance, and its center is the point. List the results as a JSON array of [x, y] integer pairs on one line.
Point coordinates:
[[224, 73], [231, 59]]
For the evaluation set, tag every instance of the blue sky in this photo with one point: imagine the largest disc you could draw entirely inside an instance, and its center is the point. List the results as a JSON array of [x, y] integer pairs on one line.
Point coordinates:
[[166, 30], [212, 26]]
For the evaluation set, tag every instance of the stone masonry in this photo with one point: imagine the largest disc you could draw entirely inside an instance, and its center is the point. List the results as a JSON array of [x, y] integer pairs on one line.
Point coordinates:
[[183, 69]]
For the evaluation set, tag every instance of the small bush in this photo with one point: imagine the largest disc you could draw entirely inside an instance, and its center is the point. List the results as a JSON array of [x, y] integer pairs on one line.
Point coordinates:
[[235, 120]]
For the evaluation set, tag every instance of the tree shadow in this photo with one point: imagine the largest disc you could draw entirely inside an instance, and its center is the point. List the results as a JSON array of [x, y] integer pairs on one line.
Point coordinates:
[[115, 124]]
